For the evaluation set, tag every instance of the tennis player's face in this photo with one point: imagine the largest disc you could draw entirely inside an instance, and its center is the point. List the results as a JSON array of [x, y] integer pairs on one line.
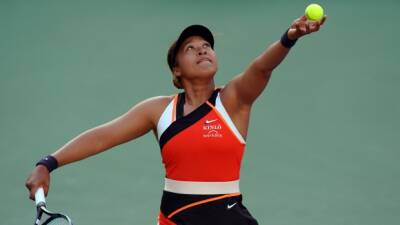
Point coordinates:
[[196, 58]]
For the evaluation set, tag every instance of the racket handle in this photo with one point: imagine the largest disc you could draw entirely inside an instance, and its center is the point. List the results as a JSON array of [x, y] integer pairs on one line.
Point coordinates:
[[39, 196]]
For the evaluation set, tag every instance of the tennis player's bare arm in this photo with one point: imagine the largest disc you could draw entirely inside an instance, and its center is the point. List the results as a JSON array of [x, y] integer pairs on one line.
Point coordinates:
[[241, 92], [139, 120]]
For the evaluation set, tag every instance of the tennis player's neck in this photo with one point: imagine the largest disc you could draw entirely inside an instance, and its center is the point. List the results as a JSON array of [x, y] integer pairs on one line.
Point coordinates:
[[195, 96]]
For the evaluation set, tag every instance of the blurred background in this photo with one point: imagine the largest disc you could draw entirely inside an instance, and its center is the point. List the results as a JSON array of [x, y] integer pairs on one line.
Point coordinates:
[[323, 144]]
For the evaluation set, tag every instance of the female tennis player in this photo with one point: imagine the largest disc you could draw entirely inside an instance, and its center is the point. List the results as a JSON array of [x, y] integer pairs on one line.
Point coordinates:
[[201, 131]]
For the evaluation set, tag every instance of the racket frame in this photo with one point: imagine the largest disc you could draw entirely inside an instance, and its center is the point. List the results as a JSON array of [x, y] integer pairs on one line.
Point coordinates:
[[40, 201]]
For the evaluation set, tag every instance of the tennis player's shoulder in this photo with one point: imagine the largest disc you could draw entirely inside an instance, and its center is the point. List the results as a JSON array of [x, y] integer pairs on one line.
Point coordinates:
[[155, 106], [159, 101]]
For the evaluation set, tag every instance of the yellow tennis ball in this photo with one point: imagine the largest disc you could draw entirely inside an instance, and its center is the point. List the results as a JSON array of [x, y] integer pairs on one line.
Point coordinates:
[[314, 12]]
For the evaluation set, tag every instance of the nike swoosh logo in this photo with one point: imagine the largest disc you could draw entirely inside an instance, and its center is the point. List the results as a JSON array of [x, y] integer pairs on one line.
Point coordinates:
[[210, 121], [230, 206]]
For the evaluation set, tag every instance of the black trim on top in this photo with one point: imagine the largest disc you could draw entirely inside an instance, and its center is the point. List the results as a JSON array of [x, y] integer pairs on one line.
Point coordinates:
[[213, 97], [183, 122], [179, 105]]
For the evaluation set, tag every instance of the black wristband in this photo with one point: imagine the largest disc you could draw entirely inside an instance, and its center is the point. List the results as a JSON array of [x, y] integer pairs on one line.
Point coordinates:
[[49, 162], [285, 41]]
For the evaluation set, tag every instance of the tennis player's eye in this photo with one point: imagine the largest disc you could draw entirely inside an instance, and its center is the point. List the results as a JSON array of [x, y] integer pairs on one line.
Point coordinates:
[[206, 45], [189, 48]]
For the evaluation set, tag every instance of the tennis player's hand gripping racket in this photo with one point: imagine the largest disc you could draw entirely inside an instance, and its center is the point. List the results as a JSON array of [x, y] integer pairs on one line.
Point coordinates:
[[46, 217]]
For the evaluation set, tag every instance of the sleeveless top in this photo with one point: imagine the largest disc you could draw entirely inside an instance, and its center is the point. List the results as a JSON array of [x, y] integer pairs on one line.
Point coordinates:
[[202, 151]]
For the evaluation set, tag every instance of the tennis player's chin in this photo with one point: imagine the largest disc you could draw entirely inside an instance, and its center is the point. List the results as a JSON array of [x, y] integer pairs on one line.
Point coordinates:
[[207, 71], [206, 67]]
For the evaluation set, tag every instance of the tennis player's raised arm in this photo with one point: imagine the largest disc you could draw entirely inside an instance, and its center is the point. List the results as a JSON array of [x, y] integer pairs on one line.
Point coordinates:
[[247, 86]]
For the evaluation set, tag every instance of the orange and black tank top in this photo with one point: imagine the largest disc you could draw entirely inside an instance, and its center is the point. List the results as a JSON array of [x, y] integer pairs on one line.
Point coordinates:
[[201, 151]]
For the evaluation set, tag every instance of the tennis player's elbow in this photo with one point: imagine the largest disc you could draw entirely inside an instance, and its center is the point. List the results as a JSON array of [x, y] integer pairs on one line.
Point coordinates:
[[260, 68], [102, 141], [106, 138]]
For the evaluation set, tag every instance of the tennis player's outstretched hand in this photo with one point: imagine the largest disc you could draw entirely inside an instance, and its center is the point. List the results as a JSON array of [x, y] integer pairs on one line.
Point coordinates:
[[40, 177], [302, 26]]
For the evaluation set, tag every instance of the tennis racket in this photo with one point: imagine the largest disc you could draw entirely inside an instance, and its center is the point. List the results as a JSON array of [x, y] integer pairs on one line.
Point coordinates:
[[45, 216]]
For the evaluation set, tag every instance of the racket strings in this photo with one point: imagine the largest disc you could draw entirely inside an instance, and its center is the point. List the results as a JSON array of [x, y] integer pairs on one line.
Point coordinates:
[[54, 219], [44, 218]]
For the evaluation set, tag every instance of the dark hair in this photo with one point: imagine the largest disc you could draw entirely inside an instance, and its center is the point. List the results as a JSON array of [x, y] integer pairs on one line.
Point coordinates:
[[171, 58]]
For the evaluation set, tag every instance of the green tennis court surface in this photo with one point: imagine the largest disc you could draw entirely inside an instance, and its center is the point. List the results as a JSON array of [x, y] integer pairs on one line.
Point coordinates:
[[323, 143]]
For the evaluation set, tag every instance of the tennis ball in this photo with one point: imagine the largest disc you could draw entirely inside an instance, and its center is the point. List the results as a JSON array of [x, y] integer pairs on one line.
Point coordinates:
[[314, 12]]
